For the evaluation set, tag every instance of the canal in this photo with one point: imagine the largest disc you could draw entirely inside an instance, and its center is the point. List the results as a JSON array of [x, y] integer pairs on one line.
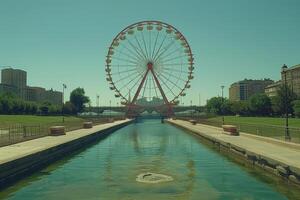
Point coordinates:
[[108, 170]]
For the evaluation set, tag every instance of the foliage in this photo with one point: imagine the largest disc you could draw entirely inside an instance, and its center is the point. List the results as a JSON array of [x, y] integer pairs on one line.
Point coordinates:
[[280, 100], [78, 99], [69, 108], [260, 104], [217, 105], [240, 108], [296, 107], [10, 104]]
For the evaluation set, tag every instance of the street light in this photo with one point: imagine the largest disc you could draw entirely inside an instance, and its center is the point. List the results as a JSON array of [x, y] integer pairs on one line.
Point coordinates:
[[109, 108], [63, 102], [98, 108], [191, 109], [222, 87], [287, 132]]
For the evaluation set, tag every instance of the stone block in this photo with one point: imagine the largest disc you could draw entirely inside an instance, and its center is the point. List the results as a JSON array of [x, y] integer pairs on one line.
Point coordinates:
[[87, 125], [294, 179], [57, 130], [194, 122], [230, 130], [282, 171]]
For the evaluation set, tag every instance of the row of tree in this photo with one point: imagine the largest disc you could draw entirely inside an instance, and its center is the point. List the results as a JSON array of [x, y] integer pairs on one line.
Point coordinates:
[[258, 104], [11, 104]]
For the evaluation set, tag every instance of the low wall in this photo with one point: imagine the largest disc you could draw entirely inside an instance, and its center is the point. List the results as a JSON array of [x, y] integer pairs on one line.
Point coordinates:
[[14, 170], [290, 174]]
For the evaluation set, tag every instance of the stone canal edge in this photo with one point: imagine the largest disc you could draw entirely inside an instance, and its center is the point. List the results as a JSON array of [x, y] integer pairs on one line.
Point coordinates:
[[21, 159], [275, 157]]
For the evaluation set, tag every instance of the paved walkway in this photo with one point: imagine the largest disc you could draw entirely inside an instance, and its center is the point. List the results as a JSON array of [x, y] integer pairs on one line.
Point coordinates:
[[280, 151], [22, 149]]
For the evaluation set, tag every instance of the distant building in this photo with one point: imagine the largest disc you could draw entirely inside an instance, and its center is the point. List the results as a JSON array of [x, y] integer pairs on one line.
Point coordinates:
[[242, 90], [15, 81], [292, 78], [9, 89], [271, 90], [39, 94]]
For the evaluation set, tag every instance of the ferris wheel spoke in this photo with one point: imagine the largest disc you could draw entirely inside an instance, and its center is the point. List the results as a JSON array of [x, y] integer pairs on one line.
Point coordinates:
[[154, 45], [143, 38], [140, 47], [122, 72], [129, 56], [125, 77], [175, 70], [117, 65], [174, 58], [126, 60], [136, 54], [167, 79], [172, 52], [176, 77], [158, 77], [136, 49], [127, 84], [150, 45], [165, 50], [160, 46]]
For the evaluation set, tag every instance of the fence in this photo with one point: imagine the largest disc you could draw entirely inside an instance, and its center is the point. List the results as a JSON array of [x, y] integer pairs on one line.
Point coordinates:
[[14, 133], [277, 132]]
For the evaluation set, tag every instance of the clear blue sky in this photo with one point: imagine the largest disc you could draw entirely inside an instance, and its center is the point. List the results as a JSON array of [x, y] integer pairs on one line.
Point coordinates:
[[65, 41]]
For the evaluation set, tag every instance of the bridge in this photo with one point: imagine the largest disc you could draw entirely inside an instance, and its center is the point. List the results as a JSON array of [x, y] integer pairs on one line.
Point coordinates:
[[124, 109]]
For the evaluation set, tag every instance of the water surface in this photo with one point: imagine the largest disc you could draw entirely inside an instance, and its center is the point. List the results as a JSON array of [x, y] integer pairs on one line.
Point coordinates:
[[108, 169]]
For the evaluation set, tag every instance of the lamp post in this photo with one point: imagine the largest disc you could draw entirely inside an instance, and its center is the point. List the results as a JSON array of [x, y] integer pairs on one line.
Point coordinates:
[[109, 108], [63, 102], [222, 87], [98, 108], [287, 132]]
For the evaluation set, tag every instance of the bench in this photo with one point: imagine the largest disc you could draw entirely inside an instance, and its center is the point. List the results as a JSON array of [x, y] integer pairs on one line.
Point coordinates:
[[87, 125], [230, 130], [57, 130], [194, 122]]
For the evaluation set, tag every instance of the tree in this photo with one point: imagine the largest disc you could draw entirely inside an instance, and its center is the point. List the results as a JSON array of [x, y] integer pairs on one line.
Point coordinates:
[[219, 106], [214, 105], [44, 108], [240, 107], [296, 107], [278, 102], [69, 108], [78, 99], [260, 104]]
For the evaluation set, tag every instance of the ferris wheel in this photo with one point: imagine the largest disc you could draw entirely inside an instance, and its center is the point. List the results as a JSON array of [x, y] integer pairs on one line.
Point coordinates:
[[149, 63]]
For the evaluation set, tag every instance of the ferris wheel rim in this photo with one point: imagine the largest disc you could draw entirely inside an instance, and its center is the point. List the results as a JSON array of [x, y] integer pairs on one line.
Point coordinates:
[[142, 23]]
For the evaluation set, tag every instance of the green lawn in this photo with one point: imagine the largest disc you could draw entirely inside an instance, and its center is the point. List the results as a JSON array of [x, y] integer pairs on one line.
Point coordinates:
[[35, 120], [264, 126], [293, 122]]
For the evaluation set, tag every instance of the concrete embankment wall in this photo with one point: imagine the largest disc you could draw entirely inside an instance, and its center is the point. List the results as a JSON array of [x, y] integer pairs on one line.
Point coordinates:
[[286, 171], [15, 169]]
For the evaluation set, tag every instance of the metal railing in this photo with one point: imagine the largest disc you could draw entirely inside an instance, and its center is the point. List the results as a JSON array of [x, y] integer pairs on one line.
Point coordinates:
[[266, 130], [15, 133]]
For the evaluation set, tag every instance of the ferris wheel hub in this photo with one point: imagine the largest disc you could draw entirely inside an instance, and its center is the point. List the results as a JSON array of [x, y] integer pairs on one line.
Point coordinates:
[[150, 65]]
